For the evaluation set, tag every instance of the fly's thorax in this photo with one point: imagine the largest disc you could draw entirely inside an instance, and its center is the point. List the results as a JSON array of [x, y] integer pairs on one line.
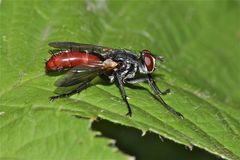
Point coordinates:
[[125, 63]]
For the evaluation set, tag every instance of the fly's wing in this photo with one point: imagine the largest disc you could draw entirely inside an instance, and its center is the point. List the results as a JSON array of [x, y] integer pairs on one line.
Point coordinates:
[[80, 47], [77, 76], [67, 90]]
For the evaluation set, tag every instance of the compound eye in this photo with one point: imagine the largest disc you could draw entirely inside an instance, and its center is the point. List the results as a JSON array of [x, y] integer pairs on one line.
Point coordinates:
[[149, 61]]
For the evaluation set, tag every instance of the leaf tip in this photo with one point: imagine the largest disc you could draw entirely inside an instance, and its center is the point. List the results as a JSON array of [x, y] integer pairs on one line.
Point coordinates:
[[143, 133], [189, 146]]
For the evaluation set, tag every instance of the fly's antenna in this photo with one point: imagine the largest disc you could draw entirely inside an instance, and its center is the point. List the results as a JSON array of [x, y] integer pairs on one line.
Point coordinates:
[[161, 59]]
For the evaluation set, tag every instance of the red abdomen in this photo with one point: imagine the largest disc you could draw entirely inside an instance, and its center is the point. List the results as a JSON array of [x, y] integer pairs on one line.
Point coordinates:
[[68, 59]]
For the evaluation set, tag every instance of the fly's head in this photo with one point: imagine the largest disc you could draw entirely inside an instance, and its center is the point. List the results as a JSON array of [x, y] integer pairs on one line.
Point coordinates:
[[146, 62]]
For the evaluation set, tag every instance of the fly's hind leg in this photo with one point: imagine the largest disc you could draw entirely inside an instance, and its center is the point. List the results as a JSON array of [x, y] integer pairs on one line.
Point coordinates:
[[77, 90]]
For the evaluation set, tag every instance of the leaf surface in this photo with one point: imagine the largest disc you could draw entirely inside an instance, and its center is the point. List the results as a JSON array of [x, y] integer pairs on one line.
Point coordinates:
[[200, 41]]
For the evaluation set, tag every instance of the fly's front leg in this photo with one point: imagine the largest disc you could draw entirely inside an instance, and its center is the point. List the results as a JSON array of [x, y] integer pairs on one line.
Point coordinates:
[[151, 82], [136, 80], [77, 90], [123, 93], [157, 92], [153, 85]]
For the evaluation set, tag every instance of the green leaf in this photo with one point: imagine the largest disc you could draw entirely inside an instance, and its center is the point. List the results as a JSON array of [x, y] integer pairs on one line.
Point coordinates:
[[33, 133], [200, 41]]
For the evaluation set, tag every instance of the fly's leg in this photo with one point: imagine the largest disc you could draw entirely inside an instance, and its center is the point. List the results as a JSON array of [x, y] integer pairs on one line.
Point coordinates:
[[158, 93], [77, 90], [136, 80], [123, 93], [156, 89], [153, 85]]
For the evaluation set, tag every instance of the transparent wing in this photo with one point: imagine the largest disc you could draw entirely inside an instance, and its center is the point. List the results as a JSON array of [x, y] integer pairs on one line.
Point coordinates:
[[79, 74], [76, 77], [67, 90]]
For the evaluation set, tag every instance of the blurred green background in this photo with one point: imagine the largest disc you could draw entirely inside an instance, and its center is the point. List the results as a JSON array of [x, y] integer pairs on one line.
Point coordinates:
[[200, 41]]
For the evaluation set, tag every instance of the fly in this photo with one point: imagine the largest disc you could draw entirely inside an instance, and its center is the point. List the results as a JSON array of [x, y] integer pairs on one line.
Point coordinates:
[[83, 62]]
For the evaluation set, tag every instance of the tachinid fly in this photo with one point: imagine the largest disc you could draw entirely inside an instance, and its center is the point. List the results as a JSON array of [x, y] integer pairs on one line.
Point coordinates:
[[83, 62]]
